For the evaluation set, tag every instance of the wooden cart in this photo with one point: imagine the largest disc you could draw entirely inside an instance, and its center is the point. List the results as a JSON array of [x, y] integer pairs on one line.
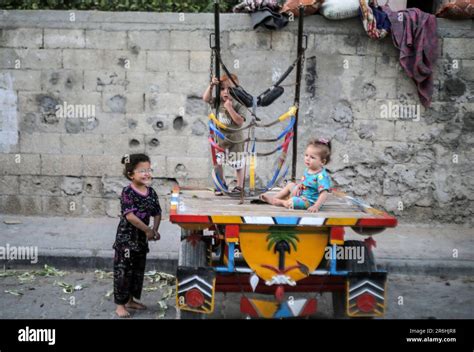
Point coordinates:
[[232, 247]]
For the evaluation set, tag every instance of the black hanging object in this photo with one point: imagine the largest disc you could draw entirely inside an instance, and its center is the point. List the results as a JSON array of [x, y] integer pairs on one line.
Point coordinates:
[[239, 94], [264, 99], [270, 95]]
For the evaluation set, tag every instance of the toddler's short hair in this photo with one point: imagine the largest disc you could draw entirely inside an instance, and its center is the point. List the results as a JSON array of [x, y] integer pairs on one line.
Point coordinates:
[[225, 78], [324, 147]]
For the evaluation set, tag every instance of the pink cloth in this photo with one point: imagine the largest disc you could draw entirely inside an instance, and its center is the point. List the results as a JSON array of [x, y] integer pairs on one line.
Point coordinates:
[[414, 34]]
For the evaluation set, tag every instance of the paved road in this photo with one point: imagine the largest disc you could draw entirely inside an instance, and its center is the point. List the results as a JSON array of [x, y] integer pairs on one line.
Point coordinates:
[[43, 297]]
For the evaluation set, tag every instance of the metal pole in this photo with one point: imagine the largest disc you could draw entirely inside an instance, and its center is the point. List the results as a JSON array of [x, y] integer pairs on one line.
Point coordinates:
[[297, 91], [217, 38]]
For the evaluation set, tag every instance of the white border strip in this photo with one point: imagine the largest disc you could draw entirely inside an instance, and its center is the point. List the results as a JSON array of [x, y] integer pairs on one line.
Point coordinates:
[[260, 220], [312, 221]]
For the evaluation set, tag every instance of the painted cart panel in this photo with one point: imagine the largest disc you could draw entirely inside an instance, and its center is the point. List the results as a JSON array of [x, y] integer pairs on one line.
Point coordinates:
[[202, 207], [268, 249]]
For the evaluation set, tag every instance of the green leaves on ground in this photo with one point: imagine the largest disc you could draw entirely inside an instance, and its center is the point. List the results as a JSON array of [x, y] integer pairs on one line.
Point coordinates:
[[154, 277], [14, 292], [49, 271], [69, 288]]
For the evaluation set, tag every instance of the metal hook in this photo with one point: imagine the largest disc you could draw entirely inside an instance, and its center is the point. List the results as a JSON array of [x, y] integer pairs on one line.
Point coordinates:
[[212, 39]]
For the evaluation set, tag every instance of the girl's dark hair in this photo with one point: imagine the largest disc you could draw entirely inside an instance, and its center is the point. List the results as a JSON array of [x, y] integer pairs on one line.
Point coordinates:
[[324, 147], [131, 161]]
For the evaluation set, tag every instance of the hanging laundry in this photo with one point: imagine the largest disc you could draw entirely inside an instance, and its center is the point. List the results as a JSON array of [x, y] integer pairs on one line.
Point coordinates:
[[414, 34], [269, 19], [250, 6], [263, 13], [375, 21]]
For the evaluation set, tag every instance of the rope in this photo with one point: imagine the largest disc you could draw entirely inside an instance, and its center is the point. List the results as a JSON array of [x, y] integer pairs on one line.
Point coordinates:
[[221, 135], [252, 157], [215, 145], [291, 112], [277, 174], [213, 148], [287, 133], [280, 147], [281, 162]]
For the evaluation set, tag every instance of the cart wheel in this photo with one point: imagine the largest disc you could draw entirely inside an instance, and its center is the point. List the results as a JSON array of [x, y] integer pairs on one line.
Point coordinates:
[[339, 298], [195, 255]]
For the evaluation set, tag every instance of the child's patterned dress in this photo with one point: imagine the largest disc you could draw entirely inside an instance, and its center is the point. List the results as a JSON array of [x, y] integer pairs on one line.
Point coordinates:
[[131, 244], [312, 186]]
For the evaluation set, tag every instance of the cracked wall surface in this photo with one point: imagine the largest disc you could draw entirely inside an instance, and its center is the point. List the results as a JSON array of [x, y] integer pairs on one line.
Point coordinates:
[[144, 73]]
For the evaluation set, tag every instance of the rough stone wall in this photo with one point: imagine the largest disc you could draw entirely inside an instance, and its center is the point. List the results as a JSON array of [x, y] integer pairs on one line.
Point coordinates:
[[143, 75]]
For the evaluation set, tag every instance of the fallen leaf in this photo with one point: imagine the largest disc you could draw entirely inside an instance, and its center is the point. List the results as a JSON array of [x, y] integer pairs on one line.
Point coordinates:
[[12, 222], [149, 289], [169, 278], [163, 278], [67, 288], [50, 271], [168, 293], [101, 274], [163, 305], [8, 273], [161, 315], [14, 292], [26, 277], [163, 284]]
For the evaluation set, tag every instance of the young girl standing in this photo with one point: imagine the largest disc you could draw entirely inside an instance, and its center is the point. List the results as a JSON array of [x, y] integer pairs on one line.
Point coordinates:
[[139, 202]]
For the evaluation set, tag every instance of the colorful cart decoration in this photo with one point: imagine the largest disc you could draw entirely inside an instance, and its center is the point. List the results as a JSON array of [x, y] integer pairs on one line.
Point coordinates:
[[230, 246], [254, 248], [219, 131], [195, 289]]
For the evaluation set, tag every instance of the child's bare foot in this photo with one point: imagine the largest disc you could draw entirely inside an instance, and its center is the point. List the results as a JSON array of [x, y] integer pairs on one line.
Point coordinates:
[[135, 305], [266, 198], [122, 312], [289, 204], [282, 202]]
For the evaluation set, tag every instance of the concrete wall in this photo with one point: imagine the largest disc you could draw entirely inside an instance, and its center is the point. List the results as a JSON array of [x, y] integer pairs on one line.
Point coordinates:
[[143, 74]]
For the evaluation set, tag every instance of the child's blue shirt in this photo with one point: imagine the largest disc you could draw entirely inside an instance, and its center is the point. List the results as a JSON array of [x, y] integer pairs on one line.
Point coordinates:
[[314, 184]]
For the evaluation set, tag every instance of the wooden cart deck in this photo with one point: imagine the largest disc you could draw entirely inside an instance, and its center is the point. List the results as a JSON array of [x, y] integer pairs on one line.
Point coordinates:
[[202, 206]]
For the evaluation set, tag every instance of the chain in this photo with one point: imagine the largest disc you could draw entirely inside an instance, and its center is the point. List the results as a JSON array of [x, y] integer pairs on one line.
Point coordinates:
[[211, 65]]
